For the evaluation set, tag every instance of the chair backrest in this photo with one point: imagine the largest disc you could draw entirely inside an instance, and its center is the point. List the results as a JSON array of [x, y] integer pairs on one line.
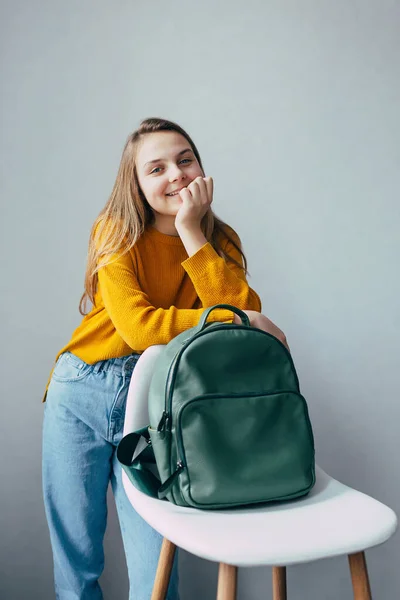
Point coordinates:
[[137, 413]]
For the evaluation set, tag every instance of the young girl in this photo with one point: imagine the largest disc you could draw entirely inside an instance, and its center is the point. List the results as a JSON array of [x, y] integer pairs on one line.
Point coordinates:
[[158, 256]]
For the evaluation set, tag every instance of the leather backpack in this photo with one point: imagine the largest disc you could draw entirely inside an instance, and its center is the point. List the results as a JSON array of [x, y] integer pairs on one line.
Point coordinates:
[[228, 424]]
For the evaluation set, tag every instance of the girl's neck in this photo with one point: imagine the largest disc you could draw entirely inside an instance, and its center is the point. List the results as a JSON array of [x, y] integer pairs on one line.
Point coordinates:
[[165, 224]]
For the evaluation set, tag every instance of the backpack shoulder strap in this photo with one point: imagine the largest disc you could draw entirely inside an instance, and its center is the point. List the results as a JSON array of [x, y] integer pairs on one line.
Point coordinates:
[[137, 468]]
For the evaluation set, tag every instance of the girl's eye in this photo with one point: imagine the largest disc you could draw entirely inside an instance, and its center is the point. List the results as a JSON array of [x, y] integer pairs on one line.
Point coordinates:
[[189, 160]]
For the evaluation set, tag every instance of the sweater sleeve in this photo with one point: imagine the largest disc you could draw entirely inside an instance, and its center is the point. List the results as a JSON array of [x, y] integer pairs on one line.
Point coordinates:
[[139, 323], [216, 280]]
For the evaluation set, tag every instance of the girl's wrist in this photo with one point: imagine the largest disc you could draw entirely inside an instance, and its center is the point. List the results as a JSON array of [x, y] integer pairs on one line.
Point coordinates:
[[193, 228], [193, 238]]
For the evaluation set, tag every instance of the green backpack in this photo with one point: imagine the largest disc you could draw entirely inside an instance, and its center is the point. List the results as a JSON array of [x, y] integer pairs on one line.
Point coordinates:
[[228, 425]]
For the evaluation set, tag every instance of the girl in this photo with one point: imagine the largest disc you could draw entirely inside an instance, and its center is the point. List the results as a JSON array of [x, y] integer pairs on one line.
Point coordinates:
[[157, 257]]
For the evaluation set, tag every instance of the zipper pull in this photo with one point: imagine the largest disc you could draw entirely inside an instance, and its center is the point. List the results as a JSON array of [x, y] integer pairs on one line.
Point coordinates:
[[166, 486], [163, 422]]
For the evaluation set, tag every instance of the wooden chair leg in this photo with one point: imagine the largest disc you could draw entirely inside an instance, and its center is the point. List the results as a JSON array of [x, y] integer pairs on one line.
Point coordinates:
[[359, 576], [279, 583], [227, 582], [164, 568]]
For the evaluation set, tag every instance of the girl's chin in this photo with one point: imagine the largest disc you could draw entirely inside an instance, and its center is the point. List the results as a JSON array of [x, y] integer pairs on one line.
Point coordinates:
[[174, 202], [170, 211]]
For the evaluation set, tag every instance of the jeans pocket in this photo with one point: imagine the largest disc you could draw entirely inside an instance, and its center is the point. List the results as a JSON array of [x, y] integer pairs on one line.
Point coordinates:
[[70, 368]]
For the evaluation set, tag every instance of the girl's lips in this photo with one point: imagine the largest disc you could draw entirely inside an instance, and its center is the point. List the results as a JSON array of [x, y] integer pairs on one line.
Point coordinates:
[[175, 192]]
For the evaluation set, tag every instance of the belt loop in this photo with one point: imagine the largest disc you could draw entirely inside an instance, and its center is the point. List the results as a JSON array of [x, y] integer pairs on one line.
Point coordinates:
[[124, 366], [97, 366], [128, 364]]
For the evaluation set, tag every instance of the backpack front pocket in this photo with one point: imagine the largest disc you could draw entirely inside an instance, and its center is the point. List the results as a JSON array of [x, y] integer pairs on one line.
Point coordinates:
[[244, 449]]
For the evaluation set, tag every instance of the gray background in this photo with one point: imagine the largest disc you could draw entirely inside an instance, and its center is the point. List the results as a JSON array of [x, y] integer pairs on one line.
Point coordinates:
[[294, 107]]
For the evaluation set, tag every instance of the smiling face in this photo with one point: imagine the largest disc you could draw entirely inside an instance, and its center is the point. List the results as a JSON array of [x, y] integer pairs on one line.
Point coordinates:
[[165, 162]]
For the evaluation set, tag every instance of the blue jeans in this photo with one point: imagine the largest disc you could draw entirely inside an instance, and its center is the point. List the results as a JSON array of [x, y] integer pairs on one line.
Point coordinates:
[[83, 422]]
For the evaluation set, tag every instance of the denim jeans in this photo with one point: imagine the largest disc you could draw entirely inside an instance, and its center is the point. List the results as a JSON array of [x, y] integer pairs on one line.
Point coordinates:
[[83, 422]]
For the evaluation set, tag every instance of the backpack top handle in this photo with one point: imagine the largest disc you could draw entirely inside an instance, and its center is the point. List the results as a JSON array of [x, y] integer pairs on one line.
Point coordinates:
[[240, 313]]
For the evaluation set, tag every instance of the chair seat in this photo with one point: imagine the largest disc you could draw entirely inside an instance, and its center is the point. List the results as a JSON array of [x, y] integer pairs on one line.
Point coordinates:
[[332, 520]]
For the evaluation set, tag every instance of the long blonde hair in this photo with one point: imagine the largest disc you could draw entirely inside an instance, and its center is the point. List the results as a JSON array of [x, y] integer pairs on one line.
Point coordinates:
[[127, 213]]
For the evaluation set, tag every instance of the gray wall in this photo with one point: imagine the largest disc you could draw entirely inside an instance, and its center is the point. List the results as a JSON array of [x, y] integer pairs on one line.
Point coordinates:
[[294, 107]]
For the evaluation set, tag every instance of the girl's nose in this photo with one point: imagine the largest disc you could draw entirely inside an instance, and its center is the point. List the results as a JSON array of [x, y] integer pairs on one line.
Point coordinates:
[[175, 173]]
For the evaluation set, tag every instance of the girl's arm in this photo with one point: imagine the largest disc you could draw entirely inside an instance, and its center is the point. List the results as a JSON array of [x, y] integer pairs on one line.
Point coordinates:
[[135, 319], [217, 281]]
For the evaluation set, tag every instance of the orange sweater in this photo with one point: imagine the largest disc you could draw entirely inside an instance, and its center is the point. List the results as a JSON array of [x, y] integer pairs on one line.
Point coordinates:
[[154, 292]]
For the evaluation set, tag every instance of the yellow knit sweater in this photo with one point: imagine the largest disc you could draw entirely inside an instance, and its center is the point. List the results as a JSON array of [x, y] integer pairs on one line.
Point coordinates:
[[154, 292]]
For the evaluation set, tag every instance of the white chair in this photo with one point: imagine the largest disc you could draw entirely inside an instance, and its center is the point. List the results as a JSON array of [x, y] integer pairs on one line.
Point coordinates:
[[332, 520]]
